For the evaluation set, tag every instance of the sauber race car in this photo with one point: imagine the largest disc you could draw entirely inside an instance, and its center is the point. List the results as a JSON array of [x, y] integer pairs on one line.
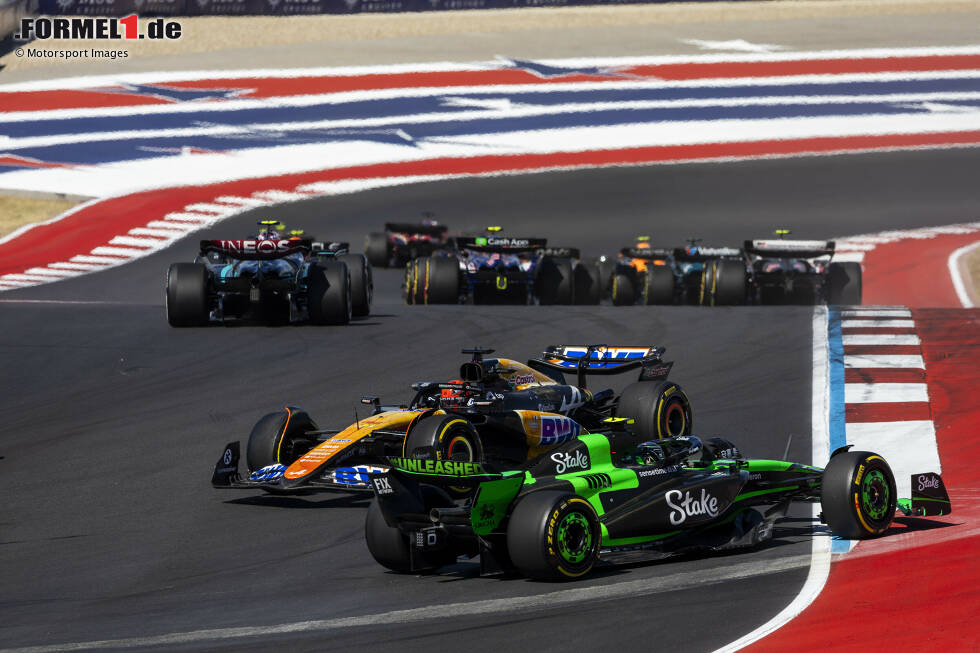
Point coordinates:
[[271, 277], [499, 410], [402, 242], [495, 269], [614, 496]]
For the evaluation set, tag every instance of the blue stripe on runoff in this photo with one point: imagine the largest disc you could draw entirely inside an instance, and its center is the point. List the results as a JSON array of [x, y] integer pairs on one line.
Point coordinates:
[[837, 417]]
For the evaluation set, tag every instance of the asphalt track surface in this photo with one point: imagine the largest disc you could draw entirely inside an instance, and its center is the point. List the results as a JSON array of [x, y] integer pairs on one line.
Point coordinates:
[[112, 421]]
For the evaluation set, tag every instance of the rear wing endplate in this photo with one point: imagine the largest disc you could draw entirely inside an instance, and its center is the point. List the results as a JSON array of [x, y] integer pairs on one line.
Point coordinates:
[[929, 497], [790, 248]]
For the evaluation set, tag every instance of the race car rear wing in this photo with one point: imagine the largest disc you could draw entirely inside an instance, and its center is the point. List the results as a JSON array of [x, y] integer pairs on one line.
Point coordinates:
[[602, 359], [417, 228], [790, 248], [646, 252], [500, 243], [706, 254], [252, 249]]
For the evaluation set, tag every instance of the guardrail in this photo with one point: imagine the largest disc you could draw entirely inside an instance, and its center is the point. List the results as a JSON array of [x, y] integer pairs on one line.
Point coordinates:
[[290, 7]]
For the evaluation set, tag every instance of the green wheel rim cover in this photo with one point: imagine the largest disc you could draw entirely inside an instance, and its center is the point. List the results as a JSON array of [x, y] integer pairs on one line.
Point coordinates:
[[574, 538], [875, 495]]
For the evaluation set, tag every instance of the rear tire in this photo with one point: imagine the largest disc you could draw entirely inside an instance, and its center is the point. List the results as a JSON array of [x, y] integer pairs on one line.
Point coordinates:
[[187, 295], [606, 268], [658, 285], [435, 280], [844, 281], [329, 293], [279, 437], [553, 536], [659, 410], [450, 437], [554, 283], [389, 546], [622, 290], [361, 283], [377, 249], [729, 283], [588, 289], [858, 495]]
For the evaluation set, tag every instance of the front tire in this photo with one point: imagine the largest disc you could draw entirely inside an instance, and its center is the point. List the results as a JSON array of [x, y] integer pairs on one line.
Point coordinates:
[[187, 295], [329, 293], [659, 410], [858, 495], [553, 536], [279, 437], [361, 283]]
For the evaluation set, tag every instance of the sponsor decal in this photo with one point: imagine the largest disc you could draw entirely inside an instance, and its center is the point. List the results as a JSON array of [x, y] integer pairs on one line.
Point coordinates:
[[382, 485], [566, 461], [705, 506], [227, 457], [928, 482], [522, 379], [270, 247], [268, 473], [859, 475], [446, 467], [755, 477], [88, 28], [506, 242], [546, 407], [555, 430], [730, 453], [657, 471]]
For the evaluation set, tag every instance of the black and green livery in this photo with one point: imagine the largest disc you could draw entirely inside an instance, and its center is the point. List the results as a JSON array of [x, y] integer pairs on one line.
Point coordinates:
[[608, 494]]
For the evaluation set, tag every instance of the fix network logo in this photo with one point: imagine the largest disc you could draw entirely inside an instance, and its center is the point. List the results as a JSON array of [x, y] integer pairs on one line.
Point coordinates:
[[44, 28]]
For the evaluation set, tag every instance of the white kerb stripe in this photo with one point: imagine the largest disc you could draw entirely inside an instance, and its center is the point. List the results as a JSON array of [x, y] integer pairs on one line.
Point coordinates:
[[219, 209], [877, 312], [138, 242], [175, 227], [181, 216], [84, 267], [884, 361], [890, 324], [101, 260], [280, 196], [873, 393], [26, 277], [880, 339], [121, 252], [240, 201], [46, 272]]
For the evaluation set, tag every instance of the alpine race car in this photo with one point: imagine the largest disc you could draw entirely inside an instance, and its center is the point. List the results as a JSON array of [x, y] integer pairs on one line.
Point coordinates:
[[613, 495], [401, 242], [495, 269], [270, 277], [499, 410]]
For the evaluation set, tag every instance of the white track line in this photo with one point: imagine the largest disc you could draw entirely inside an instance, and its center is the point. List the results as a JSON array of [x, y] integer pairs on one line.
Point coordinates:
[[878, 324], [880, 339], [881, 361], [954, 272], [873, 312]]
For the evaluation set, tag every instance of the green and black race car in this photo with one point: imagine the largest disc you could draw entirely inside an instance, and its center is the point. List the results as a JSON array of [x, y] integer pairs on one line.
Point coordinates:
[[610, 495]]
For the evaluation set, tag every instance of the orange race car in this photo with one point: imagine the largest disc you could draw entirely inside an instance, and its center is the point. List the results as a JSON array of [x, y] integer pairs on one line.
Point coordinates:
[[499, 410]]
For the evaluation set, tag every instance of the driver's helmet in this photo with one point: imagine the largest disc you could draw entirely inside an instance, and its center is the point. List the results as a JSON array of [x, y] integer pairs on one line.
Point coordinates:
[[268, 230], [648, 453], [453, 395]]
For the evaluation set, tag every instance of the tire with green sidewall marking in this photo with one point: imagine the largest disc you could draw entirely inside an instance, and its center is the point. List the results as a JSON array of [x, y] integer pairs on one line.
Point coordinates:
[[858, 495], [553, 536]]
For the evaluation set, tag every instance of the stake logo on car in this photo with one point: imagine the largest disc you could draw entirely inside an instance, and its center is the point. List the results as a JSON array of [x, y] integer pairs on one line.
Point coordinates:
[[707, 505]]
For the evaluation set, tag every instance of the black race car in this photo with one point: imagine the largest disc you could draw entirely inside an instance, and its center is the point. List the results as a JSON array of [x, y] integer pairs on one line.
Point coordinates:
[[402, 241], [619, 496], [272, 278]]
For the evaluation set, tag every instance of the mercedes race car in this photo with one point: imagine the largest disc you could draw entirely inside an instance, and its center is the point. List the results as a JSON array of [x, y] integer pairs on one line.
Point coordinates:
[[495, 269], [499, 410], [614, 496], [271, 277], [402, 242]]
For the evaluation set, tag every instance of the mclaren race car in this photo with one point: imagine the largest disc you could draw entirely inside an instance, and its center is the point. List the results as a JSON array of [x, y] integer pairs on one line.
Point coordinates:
[[613, 495], [402, 242], [499, 410], [496, 269], [272, 277]]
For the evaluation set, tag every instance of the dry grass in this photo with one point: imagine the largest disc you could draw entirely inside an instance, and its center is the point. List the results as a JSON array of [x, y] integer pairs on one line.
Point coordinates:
[[16, 212], [217, 33]]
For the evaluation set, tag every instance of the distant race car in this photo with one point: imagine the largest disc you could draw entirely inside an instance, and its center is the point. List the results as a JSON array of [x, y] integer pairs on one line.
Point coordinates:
[[496, 269], [615, 496], [649, 275], [499, 410], [270, 277], [401, 242]]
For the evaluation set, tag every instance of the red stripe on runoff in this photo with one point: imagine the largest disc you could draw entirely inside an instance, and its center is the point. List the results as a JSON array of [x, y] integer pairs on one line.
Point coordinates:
[[290, 86], [887, 412], [883, 375], [98, 223]]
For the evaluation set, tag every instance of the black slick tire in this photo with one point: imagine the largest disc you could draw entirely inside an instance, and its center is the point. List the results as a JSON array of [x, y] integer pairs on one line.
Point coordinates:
[[622, 293], [445, 437], [377, 250], [858, 495], [389, 546], [279, 437], [659, 410], [658, 285], [435, 280], [588, 289], [554, 282], [553, 536], [187, 295], [329, 293], [844, 284], [728, 287], [361, 283]]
